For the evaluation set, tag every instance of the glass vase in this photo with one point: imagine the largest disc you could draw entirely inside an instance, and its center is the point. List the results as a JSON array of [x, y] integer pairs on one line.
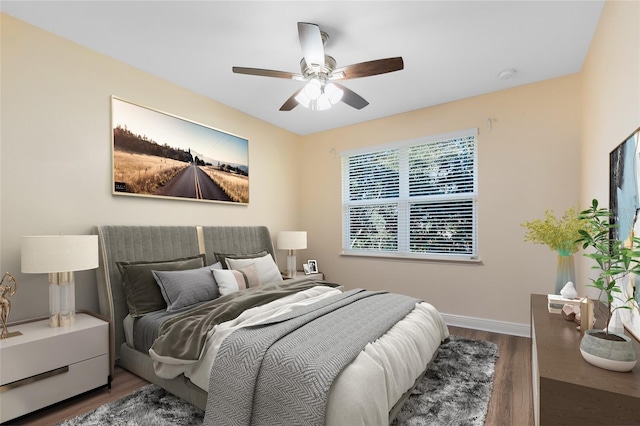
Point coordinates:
[[566, 271]]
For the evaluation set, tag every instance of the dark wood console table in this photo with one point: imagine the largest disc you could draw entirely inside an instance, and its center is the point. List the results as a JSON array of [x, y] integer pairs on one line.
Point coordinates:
[[566, 389]]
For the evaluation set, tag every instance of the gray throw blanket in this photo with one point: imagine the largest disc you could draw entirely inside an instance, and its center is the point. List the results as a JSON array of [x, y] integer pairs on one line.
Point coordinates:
[[183, 336], [280, 372]]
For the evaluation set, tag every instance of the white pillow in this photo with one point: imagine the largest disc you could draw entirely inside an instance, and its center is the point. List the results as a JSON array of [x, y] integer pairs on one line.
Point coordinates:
[[267, 269], [231, 281]]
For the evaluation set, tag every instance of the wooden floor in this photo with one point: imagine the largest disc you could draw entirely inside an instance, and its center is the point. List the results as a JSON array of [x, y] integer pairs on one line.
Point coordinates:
[[511, 401]]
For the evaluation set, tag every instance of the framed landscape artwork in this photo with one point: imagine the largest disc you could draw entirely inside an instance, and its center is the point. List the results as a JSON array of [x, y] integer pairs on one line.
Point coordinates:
[[156, 154], [624, 203]]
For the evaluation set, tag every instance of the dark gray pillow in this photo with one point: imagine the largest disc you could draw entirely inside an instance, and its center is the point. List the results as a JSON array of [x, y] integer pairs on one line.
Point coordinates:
[[222, 257], [140, 289], [184, 288]]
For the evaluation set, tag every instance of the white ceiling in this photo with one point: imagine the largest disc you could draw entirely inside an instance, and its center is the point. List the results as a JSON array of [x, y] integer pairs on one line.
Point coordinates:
[[451, 49]]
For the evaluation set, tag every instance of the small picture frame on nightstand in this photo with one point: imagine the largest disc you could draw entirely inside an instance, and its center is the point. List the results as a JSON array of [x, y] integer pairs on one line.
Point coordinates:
[[305, 268], [313, 266]]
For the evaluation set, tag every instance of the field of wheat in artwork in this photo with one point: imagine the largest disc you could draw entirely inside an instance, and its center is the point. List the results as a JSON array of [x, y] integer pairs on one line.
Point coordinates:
[[157, 154]]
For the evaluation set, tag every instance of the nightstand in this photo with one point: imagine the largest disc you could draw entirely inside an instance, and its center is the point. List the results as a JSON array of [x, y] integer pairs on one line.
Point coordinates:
[[300, 275], [46, 365]]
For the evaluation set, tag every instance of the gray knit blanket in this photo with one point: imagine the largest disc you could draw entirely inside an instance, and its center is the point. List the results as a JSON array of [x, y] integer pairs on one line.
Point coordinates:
[[280, 372]]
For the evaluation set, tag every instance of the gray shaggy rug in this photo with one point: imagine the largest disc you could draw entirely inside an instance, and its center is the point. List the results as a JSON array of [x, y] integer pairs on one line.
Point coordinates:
[[455, 391], [456, 387]]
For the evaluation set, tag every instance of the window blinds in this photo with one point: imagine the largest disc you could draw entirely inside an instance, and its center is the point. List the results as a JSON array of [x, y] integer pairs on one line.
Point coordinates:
[[414, 198]]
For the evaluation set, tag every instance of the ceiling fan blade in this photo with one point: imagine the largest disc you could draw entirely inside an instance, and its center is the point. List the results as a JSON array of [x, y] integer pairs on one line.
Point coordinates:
[[311, 43], [351, 98], [291, 103], [366, 69], [267, 73]]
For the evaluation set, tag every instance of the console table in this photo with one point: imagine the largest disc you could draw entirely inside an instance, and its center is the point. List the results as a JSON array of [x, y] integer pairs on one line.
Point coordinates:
[[568, 390]]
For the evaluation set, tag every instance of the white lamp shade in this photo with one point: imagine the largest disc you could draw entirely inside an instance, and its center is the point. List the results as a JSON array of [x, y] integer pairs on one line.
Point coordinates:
[[292, 240], [59, 253]]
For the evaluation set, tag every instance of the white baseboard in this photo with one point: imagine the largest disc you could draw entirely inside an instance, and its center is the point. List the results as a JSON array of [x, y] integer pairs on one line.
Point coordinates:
[[515, 329]]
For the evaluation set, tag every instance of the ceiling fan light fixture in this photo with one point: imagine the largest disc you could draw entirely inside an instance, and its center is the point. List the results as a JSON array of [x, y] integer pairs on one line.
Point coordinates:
[[334, 93], [323, 103], [303, 99], [313, 89]]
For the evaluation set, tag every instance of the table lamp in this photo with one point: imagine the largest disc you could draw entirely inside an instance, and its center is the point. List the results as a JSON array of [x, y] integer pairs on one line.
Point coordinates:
[[292, 241], [60, 256]]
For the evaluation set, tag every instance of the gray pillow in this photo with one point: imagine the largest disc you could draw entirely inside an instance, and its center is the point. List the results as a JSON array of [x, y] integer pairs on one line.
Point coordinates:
[[222, 257], [184, 288], [140, 289]]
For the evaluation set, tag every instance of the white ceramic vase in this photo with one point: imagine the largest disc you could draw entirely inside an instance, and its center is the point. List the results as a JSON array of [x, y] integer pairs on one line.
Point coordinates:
[[608, 354]]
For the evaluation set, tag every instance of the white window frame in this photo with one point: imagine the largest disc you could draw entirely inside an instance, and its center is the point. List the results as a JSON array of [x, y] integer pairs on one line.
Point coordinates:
[[404, 200]]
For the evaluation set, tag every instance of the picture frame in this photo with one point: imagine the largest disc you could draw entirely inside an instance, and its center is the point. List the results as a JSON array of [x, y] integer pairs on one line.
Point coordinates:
[[624, 204], [305, 268], [313, 266], [160, 155]]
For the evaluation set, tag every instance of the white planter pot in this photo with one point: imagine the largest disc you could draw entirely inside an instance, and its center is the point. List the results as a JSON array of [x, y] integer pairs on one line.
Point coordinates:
[[608, 354]]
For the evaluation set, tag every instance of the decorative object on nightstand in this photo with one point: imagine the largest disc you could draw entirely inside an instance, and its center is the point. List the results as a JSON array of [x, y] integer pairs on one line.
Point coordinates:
[[292, 241], [614, 261], [313, 266], [7, 290], [559, 235], [60, 256]]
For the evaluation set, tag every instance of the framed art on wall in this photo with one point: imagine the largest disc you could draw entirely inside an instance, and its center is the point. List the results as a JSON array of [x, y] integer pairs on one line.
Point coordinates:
[[624, 204], [156, 154]]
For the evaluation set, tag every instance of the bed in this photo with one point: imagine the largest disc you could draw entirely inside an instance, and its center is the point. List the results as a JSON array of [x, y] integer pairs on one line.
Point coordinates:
[[369, 386]]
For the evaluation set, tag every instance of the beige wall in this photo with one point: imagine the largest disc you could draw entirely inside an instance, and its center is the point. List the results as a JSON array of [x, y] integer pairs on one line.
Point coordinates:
[[56, 154], [611, 100], [527, 163]]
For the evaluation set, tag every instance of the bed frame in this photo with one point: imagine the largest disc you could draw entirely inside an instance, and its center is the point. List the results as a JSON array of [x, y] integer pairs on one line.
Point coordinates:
[[136, 243]]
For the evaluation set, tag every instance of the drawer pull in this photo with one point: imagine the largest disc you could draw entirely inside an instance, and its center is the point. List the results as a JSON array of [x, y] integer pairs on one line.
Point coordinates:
[[35, 378]]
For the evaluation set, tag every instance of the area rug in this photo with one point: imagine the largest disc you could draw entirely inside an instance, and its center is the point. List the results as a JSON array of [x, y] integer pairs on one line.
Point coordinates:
[[455, 391]]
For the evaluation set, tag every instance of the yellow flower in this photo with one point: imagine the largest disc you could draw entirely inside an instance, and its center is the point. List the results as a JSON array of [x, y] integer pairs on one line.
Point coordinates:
[[559, 234]]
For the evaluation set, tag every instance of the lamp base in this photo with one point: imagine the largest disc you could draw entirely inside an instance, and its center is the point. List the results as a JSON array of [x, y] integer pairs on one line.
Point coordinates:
[[62, 299], [291, 264]]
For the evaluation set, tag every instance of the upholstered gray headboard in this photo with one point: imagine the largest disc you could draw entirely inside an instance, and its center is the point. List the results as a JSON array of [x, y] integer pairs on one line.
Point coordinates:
[[119, 243]]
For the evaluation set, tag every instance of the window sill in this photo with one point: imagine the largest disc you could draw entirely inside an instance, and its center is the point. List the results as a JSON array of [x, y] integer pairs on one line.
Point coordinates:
[[418, 258]]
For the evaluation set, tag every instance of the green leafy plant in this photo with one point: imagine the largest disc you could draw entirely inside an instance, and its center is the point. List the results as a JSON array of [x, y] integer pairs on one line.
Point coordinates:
[[559, 235], [613, 259]]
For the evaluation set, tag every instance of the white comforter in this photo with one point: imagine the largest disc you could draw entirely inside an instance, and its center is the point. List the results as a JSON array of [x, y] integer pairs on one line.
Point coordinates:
[[366, 390]]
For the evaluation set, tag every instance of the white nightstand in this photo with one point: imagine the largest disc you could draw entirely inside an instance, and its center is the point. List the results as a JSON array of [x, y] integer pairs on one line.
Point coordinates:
[[46, 365]]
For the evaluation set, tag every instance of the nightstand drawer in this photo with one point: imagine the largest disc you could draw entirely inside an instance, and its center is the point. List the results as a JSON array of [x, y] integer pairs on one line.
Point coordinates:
[[81, 377], [42, 348]]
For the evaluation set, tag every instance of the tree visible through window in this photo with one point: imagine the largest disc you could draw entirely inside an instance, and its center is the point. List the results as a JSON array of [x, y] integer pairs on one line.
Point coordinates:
[[415, 198]]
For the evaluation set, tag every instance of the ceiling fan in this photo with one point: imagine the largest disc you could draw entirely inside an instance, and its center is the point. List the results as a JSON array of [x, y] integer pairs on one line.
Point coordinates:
[[319, 70]]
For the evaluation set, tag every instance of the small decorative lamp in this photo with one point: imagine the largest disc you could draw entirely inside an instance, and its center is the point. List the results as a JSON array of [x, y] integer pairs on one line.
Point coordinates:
[[292, 241], [60, 256]]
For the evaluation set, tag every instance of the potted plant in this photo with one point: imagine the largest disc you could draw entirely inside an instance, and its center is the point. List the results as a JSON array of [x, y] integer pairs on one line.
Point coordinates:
[[614, 261], [561, 236]]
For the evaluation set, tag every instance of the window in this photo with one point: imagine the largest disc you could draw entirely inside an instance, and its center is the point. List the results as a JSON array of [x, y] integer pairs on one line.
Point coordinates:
[[412, 199]]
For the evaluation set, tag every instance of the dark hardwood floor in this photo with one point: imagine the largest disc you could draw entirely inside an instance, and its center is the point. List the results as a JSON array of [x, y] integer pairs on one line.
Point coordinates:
[[512, 398], [511, 401]]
